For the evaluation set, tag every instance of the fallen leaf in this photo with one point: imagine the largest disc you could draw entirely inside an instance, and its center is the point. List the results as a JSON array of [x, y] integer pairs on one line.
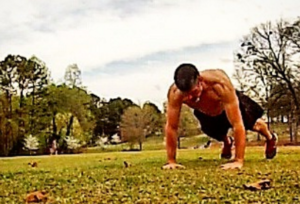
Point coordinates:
[[259, 185], [33, 164], [36, 196], [126, 164]]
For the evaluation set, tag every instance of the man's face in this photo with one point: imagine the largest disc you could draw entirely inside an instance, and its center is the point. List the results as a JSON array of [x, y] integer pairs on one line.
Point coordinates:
[[195, 93]]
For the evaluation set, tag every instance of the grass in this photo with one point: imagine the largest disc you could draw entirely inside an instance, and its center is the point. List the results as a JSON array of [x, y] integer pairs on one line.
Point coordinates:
[[102, 178]]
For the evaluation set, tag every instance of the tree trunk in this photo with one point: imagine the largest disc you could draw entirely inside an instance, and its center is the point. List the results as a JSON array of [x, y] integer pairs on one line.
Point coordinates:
[[141, 145], [54, 126], [70, 126], [296, 131], [290, 122], [21, 125], [178, 142], [32, 123]]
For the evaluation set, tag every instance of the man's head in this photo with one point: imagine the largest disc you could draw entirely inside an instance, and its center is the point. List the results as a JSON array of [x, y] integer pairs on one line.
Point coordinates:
[[186, 77]]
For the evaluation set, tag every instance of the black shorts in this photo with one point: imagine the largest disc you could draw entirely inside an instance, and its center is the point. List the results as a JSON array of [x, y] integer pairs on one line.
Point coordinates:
[[218, 126]]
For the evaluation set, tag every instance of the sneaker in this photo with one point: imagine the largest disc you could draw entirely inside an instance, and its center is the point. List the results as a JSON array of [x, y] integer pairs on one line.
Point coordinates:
[[226, 152], [271, 148]]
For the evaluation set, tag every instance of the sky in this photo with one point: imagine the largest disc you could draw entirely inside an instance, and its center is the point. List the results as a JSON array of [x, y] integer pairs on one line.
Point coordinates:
[[130, 48]]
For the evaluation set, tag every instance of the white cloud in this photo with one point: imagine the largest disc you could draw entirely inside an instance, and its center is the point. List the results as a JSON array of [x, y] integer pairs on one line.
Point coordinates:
[[94, 34], [155, 77]]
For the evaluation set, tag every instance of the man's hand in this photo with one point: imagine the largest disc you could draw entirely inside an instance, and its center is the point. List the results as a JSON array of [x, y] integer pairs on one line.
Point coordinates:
[[232, 165], [173, 166]]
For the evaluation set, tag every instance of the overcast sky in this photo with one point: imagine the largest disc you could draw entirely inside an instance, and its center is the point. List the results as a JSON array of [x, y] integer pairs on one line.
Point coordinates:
[[130, 48]]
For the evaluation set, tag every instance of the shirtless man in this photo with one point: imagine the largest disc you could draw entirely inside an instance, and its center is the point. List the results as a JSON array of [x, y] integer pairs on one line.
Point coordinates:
[[218, 107]]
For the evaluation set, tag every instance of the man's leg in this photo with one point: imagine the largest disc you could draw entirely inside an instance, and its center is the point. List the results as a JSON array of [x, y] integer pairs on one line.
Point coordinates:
[[271, 139], [227, 147], [217, 128]]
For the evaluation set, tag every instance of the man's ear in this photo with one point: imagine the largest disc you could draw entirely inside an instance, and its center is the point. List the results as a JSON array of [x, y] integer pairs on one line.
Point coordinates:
[[200, 78]]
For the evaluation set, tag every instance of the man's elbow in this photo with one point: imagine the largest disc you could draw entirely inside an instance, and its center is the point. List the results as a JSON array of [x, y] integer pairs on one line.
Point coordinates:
[[170, 130], [239, 129]]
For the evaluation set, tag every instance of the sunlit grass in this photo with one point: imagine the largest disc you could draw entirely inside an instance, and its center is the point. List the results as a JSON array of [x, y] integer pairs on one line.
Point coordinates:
[[103, 178]]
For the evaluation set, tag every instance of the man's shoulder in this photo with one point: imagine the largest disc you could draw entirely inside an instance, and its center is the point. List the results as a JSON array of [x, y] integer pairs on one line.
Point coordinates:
[[217, 76], [214, 71], [174, 92]]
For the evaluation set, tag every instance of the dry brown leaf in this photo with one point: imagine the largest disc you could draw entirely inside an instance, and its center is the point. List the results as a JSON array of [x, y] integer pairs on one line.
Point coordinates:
[[33, 164], [259, 185], [126, 164], [36, 196]]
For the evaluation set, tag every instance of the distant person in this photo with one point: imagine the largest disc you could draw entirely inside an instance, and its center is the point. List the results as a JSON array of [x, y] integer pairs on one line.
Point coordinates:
[[53, 148], [218, 107]]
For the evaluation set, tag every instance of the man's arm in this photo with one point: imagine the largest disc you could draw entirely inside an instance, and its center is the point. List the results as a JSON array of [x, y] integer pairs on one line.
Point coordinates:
[[233, 113], [171, 143], [234, 116], [173, 114]]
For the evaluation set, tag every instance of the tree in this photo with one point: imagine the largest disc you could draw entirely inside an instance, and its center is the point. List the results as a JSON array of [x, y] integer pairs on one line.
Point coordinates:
[[154, 118], [292, 33], [268, 54], [73, 76], [37, 78], [65, 101], [252, 85], [100, 114], [133, 126], [27, 80], [9, 122], [137, 123], [283, 107], [8, 126], [79, 104], [111, 113], [72, 80]]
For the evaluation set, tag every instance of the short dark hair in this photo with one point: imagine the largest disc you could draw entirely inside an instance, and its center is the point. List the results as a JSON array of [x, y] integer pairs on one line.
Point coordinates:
[[186, 76]]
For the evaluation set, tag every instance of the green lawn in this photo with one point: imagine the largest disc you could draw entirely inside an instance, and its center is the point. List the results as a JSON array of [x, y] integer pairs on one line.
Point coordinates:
[[102, 178]]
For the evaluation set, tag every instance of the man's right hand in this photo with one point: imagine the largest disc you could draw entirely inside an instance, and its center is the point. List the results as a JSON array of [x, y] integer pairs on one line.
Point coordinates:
[[232, 165], [173, 166]]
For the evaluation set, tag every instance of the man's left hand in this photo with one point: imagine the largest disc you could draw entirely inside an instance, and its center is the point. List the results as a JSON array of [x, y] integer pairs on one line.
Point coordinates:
[[232, 165]]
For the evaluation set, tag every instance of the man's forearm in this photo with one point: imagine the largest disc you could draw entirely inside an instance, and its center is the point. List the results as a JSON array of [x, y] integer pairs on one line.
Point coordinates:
[[240, 143], [171, 143]]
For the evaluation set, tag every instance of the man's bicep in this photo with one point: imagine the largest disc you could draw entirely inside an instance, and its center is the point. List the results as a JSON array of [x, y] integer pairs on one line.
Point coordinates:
[[174, 103], [173, 115], [231, 103]]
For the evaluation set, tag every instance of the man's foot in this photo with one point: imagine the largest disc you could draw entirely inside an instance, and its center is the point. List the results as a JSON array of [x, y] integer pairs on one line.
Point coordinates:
[[271, 148], [227, 150]]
